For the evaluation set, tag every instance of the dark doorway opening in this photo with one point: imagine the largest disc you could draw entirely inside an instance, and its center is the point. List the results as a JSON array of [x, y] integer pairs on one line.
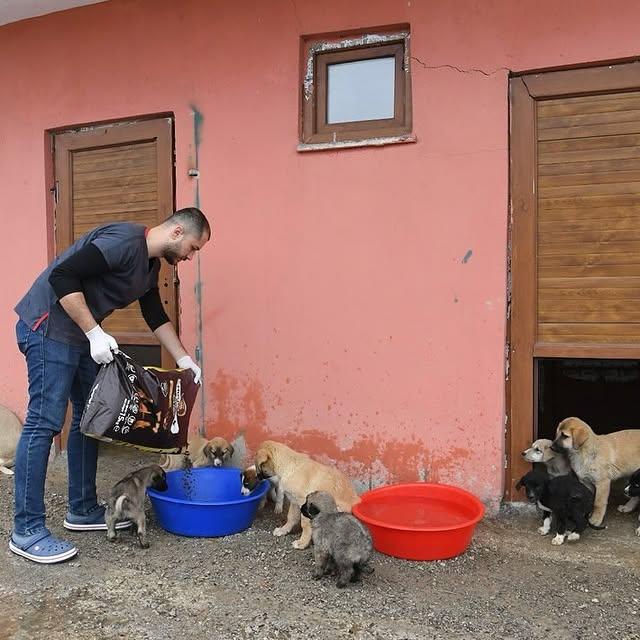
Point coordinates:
[[148, 355], [603, 393]]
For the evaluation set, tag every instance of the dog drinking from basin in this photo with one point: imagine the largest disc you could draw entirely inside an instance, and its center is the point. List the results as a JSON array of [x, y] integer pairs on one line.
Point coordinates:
[[251, 478], [126, 501]]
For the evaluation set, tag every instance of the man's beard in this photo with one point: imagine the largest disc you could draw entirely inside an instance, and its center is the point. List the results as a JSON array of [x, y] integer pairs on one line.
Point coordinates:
[[170, 254]]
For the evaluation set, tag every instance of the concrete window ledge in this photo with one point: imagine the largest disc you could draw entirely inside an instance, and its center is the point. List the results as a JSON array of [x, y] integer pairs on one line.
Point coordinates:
[[349, 144]]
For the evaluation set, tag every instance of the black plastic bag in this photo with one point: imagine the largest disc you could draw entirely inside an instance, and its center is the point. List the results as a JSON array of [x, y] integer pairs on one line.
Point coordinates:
[[146, 408]]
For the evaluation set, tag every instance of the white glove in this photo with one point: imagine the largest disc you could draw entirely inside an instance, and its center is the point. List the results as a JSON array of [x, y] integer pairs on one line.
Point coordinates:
[[187, 363], [102, 345]]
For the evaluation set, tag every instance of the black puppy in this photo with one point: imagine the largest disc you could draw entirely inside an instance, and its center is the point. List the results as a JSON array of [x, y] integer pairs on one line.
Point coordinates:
[[632, 490], [567, 500], [534, 483]]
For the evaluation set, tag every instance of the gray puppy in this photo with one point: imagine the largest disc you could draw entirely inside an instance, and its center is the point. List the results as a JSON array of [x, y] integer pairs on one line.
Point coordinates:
[[341, 543], [540, 451], [127, 500]]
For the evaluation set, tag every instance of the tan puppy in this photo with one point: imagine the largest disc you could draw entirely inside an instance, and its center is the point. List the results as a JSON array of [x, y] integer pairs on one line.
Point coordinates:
[[202, 453], [10, 430], [599, 459], [299, 476]]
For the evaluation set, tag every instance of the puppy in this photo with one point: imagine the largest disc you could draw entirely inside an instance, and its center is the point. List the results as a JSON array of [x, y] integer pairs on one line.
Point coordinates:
[[251, 479], [341, 543], [533, 483], [217, 451], [10, 430], [557, 464], [299, 476], [632, 491], [599, 459], [127, 500], [567, 500], [202, 453]]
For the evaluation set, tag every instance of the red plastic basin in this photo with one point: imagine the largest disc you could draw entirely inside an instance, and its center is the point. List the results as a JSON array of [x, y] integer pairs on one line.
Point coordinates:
[[420, 521]]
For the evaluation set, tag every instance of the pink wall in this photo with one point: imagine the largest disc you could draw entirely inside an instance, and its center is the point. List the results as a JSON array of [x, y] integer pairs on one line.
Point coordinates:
[[338, 312]]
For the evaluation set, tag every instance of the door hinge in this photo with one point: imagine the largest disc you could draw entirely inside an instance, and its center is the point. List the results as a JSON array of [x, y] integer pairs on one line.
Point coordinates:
[[55, 190]]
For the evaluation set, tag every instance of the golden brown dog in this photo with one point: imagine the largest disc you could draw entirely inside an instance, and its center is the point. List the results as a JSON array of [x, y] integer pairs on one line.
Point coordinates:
[[599, 459], [202, 453], [299, 476], [10, 430]]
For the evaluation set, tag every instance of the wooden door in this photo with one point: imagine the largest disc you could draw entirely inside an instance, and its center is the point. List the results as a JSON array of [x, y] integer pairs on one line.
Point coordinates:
[[574, 230], [114, 173]]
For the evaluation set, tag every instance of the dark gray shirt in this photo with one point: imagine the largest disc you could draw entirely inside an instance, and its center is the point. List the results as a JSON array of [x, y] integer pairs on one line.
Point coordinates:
[[131, 275]]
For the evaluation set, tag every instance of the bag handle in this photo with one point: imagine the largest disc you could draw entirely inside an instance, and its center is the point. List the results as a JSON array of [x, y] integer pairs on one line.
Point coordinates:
[[121, 358]]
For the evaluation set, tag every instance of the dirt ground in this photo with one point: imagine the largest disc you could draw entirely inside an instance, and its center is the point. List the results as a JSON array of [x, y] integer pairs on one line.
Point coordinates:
[[511, 583]]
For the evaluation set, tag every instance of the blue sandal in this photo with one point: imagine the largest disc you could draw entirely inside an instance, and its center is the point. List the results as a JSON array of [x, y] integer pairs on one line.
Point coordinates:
[[42, 547]]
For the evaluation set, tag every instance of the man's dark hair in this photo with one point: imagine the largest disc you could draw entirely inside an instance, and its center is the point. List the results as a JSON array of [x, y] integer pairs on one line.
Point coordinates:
[[192, 219]]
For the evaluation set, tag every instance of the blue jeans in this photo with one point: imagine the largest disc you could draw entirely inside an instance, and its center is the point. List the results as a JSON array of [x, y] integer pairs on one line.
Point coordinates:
[[57, 372]]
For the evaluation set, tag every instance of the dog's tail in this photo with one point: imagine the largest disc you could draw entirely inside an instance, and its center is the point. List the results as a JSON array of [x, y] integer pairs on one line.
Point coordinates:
[[119, 506]]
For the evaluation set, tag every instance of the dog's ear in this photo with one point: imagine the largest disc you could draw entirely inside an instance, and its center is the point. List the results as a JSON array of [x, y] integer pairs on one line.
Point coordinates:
[[312, 510], [262, 457], [230, 450], [547, 452], [520, 483], [579, 435], [159, 480]]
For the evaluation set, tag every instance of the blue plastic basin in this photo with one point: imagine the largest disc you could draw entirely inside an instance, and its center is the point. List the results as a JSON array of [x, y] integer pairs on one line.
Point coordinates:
[[206, 502]]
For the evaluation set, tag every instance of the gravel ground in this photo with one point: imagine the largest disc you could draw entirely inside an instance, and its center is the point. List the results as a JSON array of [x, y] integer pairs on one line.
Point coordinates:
[[511, 583]]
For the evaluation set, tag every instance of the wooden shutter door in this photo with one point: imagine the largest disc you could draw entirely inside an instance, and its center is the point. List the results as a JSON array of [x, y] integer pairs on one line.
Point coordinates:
[[115, 173], [574, 230], [588, 225]]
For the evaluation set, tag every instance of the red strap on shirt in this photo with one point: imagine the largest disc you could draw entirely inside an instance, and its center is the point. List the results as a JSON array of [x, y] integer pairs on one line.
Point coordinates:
[[39, 321]]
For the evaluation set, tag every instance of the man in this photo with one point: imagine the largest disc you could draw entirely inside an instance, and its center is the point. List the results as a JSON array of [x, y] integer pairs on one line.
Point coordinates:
[[59, 333]]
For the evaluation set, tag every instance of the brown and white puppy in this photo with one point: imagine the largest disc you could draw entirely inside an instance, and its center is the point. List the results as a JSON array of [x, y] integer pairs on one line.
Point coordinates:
[[10, 430], [251, 479], [217, 451], [599, 459], [299, 476], [126, 501], [202, 453], [557, 464]]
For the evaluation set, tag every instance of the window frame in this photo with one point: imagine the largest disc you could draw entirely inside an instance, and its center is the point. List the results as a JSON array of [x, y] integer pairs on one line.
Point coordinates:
[[315, 130]]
